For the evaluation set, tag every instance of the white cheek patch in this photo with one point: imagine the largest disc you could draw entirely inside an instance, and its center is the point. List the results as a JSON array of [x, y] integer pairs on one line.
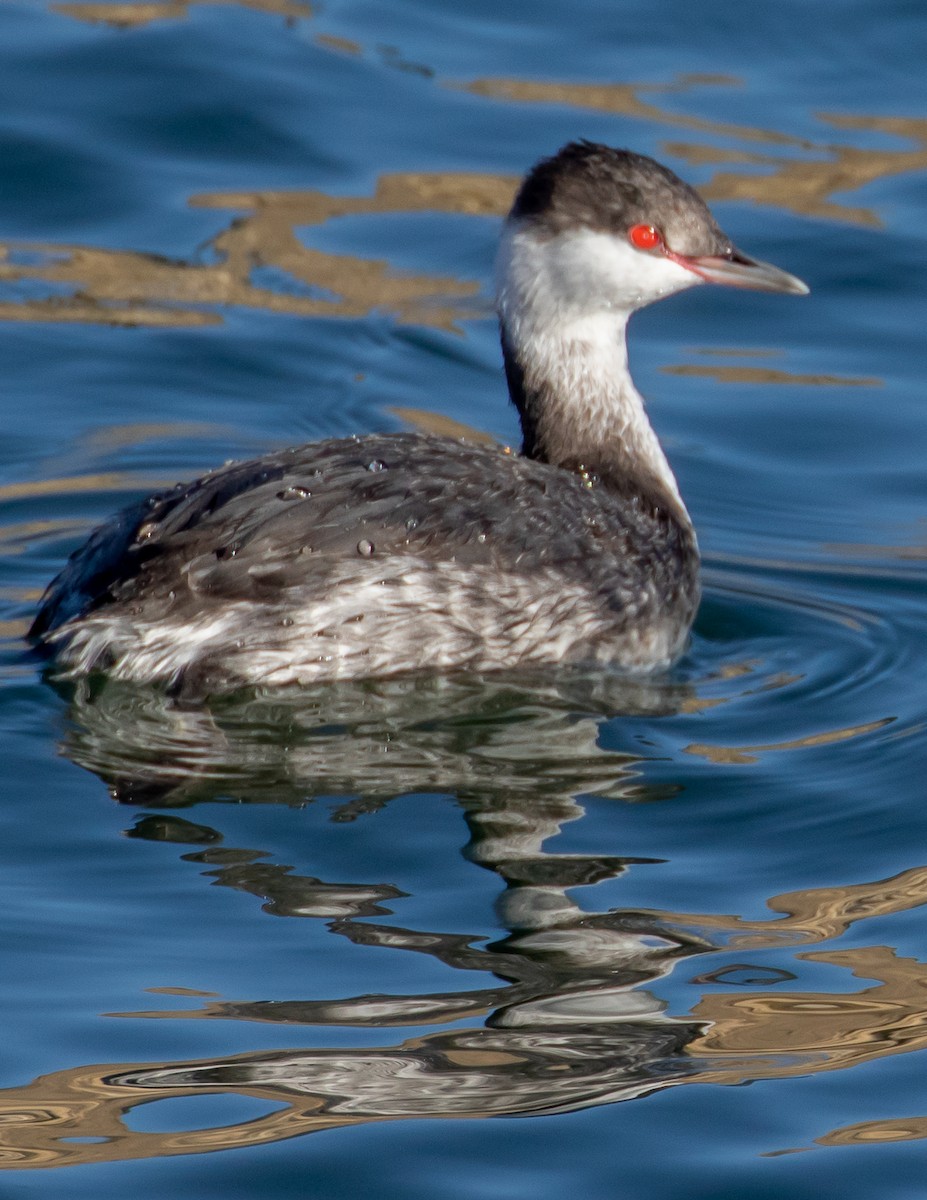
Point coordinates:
[[600, 263], [578, 273]]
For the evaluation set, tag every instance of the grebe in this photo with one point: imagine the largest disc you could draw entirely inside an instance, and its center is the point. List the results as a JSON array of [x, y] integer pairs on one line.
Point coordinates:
[[397, 552]]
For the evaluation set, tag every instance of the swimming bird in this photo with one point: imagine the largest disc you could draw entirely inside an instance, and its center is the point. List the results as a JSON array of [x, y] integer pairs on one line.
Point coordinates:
[[390, 553]]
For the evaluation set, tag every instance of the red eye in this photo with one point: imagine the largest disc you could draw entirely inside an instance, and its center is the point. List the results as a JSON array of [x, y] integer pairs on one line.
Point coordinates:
[[645, 237]]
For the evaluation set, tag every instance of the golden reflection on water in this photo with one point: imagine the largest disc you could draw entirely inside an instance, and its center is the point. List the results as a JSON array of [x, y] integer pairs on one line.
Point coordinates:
[[102, 481], [815, 914], [127, 288], [568, 1020], [564, 1018], [746, 755], [625, 99], [134, 288], [806, 182], [769, 375], [809, 187], [130, 15], [340, 44], [899, 1129], [807, 1032], [442, 426], [512, 1065]]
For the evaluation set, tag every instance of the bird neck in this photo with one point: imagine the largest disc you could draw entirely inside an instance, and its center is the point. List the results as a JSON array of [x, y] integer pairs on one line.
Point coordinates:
[[579, 407]]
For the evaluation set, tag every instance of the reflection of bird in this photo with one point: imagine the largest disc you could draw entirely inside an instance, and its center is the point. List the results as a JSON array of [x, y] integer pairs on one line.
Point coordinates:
[[368, 556]]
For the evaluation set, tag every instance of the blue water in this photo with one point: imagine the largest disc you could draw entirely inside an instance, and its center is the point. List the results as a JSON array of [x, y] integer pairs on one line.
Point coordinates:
[[468, 937]]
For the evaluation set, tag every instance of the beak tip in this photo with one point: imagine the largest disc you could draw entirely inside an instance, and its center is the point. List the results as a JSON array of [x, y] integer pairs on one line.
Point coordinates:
[[792, 285]]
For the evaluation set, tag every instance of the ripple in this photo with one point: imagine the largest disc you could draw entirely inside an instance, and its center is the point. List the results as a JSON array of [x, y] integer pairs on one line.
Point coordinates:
[[795, 664], [789, 631]]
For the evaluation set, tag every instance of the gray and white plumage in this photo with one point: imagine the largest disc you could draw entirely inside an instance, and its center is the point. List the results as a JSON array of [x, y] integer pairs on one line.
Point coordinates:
[[359, 557]]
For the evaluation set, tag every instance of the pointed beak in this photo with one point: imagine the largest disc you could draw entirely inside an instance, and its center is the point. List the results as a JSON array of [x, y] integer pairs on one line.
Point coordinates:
[[737, 270]]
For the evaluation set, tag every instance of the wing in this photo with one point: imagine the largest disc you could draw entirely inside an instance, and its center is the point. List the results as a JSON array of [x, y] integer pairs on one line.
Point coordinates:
[[254, 529]]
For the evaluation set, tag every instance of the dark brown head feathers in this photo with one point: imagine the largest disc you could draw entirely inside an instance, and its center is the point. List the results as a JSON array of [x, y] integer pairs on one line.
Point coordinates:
[[590, 186]]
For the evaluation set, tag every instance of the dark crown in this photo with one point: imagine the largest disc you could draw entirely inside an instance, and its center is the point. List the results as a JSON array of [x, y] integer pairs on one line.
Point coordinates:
[[586, 185]]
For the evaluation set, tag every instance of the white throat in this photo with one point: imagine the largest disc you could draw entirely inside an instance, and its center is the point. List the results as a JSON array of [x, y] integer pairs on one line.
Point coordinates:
[[564, 304]]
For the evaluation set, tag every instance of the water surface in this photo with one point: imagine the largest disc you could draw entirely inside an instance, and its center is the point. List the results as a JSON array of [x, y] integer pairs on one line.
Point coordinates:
[[352, 934]]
